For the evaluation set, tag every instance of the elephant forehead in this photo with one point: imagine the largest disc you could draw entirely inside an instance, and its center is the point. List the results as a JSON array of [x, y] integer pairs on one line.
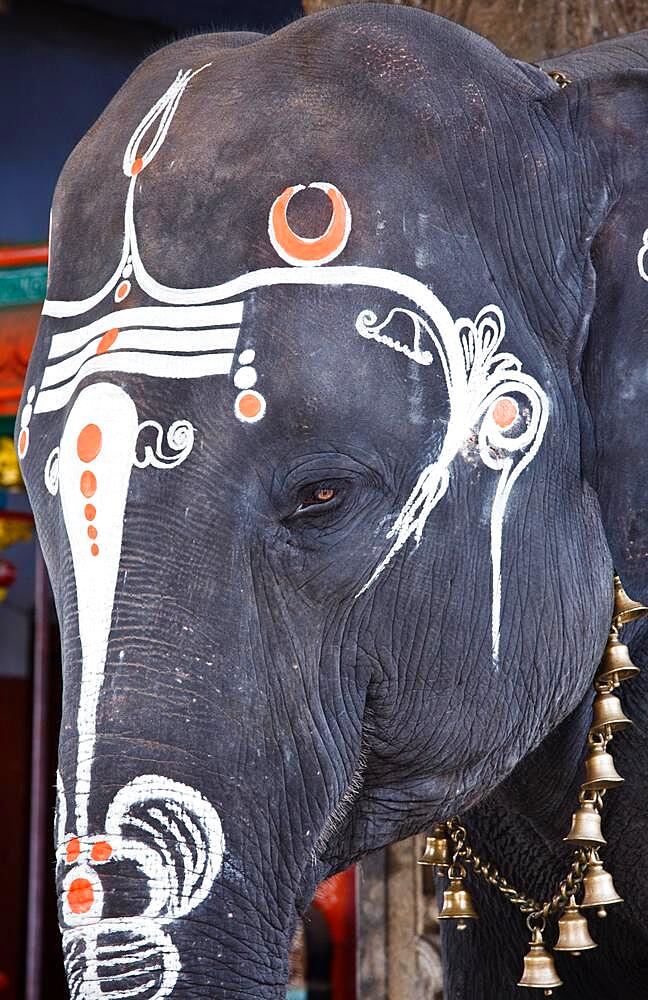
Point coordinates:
[[316, 366], [247, 126]]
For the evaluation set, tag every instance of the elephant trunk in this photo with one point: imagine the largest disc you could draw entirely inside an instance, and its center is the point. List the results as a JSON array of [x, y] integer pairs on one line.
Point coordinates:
[[158, 903], [185, 830]]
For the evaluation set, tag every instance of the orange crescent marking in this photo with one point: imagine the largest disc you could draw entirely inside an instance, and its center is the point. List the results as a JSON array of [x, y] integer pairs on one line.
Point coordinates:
[[301, 249]]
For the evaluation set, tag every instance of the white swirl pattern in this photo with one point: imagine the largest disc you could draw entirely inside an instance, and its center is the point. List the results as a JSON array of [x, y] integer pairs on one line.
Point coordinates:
[[486, 379]]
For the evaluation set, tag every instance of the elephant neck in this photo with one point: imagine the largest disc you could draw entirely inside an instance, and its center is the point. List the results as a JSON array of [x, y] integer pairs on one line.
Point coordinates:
[[543, 788]]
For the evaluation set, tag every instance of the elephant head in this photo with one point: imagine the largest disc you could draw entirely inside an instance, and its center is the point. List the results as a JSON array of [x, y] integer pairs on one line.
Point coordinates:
[[305, 436]]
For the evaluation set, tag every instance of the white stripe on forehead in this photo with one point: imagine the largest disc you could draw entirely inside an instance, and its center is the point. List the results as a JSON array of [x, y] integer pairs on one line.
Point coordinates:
[[160, 341], [172, 366], [173, 317]]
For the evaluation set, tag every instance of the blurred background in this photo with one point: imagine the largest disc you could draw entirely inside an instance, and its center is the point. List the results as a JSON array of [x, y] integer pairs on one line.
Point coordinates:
[[371, 932]]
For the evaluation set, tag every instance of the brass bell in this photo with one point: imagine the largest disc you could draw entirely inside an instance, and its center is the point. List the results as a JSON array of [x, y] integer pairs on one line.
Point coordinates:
[[625, 609], [539, 969], [573, 933], [586, 824], [616, 665], [607, 713], [457, 903], [437, 851], [600, 771], [598, 886]]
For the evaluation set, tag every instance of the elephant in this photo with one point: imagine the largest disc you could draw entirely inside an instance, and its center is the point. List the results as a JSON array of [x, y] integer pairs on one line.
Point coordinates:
[[332, 436]]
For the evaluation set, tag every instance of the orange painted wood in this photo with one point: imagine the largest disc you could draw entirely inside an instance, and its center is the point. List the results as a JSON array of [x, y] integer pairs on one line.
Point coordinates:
[[336, 900], [22, 256], [18, 327]]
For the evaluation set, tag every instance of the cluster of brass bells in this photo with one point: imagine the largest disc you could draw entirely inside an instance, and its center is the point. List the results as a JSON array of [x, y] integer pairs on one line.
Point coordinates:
[[585, 834]]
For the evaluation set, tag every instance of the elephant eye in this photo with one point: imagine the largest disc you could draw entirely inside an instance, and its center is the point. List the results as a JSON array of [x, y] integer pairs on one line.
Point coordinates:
[[317, 496]]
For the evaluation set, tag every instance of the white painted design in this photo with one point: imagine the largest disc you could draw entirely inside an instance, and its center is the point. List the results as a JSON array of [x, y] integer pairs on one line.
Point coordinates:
[[25, 419], [245, 357], [641, 256], [122, 291], [256, 412], [167, 829], [368, 327], [113, 411], [185, 342], [51, 473], [180, 439], [164, 109], [61, 810], [162, 112], [120, 960], [225, 315], [171, 366], [245, 377], [474, 388], [173, 835], [157, 342]]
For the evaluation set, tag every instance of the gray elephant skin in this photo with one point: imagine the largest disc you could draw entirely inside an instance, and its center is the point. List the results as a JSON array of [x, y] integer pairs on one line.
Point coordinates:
[[334, 430]]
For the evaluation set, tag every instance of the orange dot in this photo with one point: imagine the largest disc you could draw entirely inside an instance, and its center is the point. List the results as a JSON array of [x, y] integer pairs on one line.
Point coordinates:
[[505, 412], [72, 850], [80, 895], [22, 442], [138, 163], [89, 443], [249, 405], [107, 340], [90, 512], [88, 483], [92, 531], [101, 851], [94, 548], [123, 290]]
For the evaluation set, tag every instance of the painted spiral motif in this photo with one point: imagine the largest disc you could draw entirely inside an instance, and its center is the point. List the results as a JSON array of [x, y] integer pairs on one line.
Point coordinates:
[[179, 438], [173, 835], [51, 472]]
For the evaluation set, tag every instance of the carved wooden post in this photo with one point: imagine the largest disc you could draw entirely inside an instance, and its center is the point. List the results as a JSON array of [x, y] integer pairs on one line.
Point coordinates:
[[398, 937]]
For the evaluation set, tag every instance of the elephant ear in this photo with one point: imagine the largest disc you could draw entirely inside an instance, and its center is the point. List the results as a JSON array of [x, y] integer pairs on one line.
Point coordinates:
[[602, 125]]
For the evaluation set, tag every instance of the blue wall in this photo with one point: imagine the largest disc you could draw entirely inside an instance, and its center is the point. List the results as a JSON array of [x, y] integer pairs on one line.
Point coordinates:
[[60, 64]]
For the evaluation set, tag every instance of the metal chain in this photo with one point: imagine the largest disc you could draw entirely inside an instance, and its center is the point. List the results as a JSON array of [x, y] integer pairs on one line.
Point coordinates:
[[570, 885]]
